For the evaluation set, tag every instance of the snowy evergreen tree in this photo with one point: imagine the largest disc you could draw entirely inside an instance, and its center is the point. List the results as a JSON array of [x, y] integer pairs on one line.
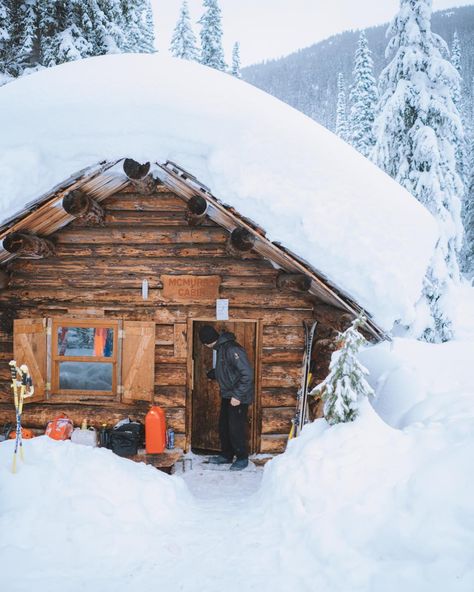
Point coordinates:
[[341, 109], [50, 32], [4, 34], [363, 99], [148, 43], [183, 42], [462, 159], [456, 62], [22, 45], [212, 52], [468, 219], [235, 71], [345, 386], [417, 133]]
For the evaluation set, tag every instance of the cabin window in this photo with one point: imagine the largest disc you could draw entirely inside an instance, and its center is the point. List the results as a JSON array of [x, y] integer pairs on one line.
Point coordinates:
[[84, 357], [77, 358]]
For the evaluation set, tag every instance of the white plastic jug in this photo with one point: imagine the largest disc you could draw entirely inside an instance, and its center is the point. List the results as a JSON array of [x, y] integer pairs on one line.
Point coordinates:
[[86, 437]]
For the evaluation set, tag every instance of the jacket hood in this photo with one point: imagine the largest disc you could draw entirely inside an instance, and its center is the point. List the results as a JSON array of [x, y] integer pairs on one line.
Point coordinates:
[[224, 338]]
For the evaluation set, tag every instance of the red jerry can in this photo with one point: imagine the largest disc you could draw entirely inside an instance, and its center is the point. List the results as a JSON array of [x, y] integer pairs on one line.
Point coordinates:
[[155, 431]]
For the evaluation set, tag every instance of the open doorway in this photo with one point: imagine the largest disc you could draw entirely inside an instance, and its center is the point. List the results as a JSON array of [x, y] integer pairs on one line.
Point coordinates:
[[205, 394]]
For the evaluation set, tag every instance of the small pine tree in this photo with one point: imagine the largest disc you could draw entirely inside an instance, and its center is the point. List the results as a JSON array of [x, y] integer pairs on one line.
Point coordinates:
[[212, 52], [417, 132], [345, 386], [341, 109], [183, 42], [235, 71], [363, 99]]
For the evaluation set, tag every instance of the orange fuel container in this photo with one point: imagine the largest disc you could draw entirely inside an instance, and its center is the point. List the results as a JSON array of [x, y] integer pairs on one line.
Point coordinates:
[[155, 431]]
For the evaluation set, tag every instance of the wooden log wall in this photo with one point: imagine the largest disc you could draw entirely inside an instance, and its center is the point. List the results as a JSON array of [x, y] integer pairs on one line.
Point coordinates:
[[97, 271]]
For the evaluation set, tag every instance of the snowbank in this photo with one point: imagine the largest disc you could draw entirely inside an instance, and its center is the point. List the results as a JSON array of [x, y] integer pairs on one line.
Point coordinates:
[[71, 510], [307, 188], [364, 506]]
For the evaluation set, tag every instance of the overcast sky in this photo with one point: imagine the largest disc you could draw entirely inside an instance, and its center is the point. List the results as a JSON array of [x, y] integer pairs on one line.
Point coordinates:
[[272, 28]]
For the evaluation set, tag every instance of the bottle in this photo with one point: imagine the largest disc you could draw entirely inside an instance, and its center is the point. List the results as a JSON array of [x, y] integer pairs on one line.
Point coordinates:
[[104, 436], [170, 439], [84, 424], [155, 431]]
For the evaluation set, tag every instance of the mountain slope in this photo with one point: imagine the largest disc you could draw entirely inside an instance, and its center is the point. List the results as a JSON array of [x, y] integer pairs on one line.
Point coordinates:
[[307, 79]]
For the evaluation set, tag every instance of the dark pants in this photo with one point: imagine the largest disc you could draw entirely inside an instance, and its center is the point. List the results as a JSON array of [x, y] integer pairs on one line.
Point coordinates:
[[233, 430]]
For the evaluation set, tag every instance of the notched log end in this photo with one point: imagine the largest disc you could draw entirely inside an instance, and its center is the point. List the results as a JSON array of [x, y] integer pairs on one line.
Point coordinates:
[[134, 170]]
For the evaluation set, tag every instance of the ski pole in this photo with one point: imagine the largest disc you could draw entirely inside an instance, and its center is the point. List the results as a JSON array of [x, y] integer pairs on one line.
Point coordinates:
[[13, 372], [22, 389]]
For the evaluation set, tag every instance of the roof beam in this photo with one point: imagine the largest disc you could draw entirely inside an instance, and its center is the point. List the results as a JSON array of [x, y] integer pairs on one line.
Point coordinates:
[[80, 205], [28, 246]]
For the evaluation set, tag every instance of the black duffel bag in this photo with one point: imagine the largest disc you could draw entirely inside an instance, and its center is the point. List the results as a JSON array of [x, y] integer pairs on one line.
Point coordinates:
[[126, 437]]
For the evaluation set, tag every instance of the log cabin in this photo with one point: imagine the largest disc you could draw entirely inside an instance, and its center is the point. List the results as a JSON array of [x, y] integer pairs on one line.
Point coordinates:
[[141, 261], [108, 274]]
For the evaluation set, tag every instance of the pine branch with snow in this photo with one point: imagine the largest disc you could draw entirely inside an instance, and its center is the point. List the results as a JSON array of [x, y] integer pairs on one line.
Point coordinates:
[[346, 385], [418, 132], [212, 52], [235, 71], [183, 42], [341, 109], [363, 99]]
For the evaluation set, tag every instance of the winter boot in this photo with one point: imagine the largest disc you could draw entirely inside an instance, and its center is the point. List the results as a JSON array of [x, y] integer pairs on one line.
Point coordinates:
[[220, 460], [239, 465]]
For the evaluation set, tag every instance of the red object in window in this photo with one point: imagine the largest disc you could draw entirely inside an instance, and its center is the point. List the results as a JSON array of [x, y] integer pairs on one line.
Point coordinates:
[[100, 337], [155, 431]]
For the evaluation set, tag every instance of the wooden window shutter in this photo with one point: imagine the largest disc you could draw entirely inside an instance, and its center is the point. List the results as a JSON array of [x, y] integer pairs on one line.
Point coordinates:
[[30, 348], [138, 361]]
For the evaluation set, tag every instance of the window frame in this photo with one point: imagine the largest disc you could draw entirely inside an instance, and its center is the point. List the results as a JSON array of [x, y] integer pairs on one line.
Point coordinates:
[[55, 358]]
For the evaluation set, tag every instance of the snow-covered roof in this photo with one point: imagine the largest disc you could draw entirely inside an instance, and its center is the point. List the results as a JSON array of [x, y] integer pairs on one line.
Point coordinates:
[[307, 188]]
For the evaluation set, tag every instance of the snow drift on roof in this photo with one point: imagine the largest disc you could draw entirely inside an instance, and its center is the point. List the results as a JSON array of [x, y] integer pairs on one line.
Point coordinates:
[[306, 187]]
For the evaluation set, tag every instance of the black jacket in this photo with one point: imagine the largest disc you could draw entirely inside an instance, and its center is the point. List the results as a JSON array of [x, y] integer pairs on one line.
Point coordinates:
[[233, 371]]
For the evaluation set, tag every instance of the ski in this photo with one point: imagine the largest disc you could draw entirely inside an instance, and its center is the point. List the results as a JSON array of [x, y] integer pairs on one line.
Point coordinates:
[[300, 417]]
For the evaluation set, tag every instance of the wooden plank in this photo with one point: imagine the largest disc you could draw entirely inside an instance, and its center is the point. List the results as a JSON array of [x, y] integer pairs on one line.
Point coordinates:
[[281, 336], [143, 251], [274, 355], [277, 420], [281, 375], [190, 288], [150, 234], [180, 341], [121, 296], [170, 396], [138, 361], [170, 375], [164, 334], [273, 444], [118, 266], [279, 397], [29, 347], [158, 218], [37, 415], [144, 203]]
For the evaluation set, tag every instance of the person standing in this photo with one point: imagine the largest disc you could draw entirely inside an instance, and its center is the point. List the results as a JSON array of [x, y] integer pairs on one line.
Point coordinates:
[[234, 375]]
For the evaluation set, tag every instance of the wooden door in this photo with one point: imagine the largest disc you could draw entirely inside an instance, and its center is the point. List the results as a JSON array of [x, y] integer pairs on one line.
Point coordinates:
[[206, 396]]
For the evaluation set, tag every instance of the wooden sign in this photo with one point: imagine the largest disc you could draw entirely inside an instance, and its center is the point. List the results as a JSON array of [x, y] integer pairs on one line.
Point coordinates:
[[194, 288]]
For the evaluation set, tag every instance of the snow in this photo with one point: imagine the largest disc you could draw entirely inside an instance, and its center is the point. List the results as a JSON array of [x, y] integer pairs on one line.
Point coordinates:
[[309, 190], [365, 506], [382, 503]]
